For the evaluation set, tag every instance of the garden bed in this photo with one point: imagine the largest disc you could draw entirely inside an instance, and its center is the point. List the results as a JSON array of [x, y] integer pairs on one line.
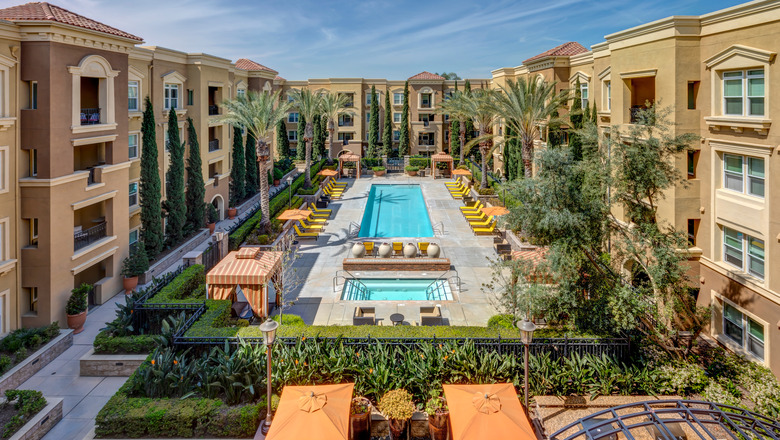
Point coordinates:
[[19, 365], [26, 414], [110, 365]]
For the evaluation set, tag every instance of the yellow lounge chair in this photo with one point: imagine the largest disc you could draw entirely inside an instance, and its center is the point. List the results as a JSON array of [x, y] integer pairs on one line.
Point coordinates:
[[334, 182], [473, 208], [457, 188], [332, 195], [369, 245], [457, 182], [476, 217], [480, 223], [334, 188], [398, 248], [461, 194], [305, 225], [315, 220], [321, 211], [319, 215], [313, 235], [486, 231], [423, 245], [334, 185]]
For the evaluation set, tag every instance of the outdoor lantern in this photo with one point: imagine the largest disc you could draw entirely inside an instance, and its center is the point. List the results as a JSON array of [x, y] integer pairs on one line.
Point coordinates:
[[289, 180], [269, 331], [526, 335], [269, 335], [526, 327]]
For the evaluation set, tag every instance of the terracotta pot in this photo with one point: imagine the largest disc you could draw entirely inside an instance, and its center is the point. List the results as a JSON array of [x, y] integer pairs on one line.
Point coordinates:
[[380, 173], [211, 227], [129, 284], [76, 322], [439, 426], [358, 250], [434, 250], [231, 212], [397, 428], [385, 250], [360, 426], [410, 251], [276, 182], [411, 173]]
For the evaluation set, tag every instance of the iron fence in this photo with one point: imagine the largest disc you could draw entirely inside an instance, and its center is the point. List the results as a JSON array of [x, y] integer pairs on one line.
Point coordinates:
[[210, 257], [88, 236], [147, 318]]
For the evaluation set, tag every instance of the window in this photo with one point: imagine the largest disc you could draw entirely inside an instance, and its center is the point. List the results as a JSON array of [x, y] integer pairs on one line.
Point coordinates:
[[397, 118], [743, 93], [368, 97], [292, 117], [584, 94], [132, 146], [396, 135], [33, 162], [132, 96], [734, 244], [171, 96], [240, 92], [133, 237], [446, 118], [3, 239], [368, 118], [350, 101], [133, 193], [693, 88], [736, 167], [32, 225], [398, 98], [33, 95], [32, 299], [346, 136], [190, 97], [608, 85], [425, 100], [693, 226], [368, 135], [292, 135], [734, 325], [693, 159], [345, 120]]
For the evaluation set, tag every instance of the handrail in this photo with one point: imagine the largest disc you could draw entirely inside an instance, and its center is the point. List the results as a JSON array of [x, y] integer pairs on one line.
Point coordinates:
[[353, 227], [441, 277], [436, 226], [365, 288]]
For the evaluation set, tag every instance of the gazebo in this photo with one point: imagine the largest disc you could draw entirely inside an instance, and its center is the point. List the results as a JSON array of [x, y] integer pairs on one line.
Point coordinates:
[[249, 268], [440, 157], [349, 156]]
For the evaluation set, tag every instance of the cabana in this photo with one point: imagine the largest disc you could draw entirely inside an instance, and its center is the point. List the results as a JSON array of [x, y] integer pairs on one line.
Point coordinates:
[[349, 156], [440, 157], [253, 270]]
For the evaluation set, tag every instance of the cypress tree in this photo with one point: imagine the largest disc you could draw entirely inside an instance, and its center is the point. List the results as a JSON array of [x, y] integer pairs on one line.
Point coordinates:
[[554, 132], [404, 146], [196, 207], [150, 190], [387, 130], [300, 149], [575, 143], [175, 205], [282, 142], [318, 141], [373, 125], [454, 137], [238, 171], [469, 124], [586, 115], [594, 114], [252, 171], [323, 137]]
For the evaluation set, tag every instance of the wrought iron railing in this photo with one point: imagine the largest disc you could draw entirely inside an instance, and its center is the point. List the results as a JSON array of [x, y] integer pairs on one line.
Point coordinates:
[[213, 145], [86, 237], [213, 110], [90, 116]]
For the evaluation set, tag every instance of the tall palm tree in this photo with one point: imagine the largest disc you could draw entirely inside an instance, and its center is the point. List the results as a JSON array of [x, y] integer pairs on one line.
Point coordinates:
[[525, 106], [453, 106], [333, 105], [259, 113], [309, 105]]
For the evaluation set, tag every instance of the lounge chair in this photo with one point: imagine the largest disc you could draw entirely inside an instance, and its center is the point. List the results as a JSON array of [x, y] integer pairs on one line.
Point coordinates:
[[335, 183], [456, 183], [336, 187], [457, 188], [369, 245], [490, 230], [313, 219], [480, 223], [332, 195], [305, 225], [474, 208], [476, 217], [423, 246], [431, 316], [461, 194], [321, 211], [364, 316], [398, 248], [300, 234]]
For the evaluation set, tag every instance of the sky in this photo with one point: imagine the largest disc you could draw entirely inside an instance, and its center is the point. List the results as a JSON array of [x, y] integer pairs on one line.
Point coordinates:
[[392, 39]]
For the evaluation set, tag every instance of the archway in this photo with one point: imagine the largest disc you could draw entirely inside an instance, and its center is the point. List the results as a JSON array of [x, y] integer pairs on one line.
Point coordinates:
[[218, 202]]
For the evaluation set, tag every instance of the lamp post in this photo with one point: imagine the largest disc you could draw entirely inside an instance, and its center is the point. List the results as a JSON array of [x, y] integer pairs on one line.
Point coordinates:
[[503, 187], [289, 186], [269, 335], [526, 335]]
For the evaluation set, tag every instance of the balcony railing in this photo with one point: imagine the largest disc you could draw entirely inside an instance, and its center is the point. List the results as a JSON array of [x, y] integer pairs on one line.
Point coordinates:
[[213, 110], [213, 145], [90, 116], [346, 123], [91, 178], [86, 237], [425, 105], [426, 123]]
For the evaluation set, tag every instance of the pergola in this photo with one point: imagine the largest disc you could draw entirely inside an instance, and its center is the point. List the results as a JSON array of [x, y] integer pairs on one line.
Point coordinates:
[[249, 268], [349, 156], [440, 157]]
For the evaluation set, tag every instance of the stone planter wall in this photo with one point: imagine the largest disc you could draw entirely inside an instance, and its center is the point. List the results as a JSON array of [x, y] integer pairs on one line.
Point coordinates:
[[25, 369], [381, 429], [413, 264], [162, 265], [309, 199], [42, 422], [110, 365]]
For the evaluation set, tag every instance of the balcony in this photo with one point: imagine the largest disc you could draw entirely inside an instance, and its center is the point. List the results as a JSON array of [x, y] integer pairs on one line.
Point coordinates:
[[213, 110], [90, 116], [213, 145], [85, 237], [346, 123], [426, 123], [636, 118]]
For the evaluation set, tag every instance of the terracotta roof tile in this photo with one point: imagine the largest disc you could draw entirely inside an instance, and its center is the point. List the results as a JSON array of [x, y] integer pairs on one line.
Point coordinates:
[[427, 75], [564, 50], [42, 11], [247, 64], [280, 78]]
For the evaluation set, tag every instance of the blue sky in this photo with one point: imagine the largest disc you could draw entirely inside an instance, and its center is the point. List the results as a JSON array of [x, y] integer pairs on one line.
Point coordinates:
[[378, 39]]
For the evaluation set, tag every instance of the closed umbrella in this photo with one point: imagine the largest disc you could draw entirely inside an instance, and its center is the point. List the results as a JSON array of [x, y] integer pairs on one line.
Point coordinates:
[[490, 411], [314, 411]]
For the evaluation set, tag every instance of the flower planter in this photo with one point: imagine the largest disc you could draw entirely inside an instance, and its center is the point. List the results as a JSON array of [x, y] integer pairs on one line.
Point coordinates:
[[439, 426], [76, 322], [380, 173], [398, 429], [211, 227], [411, 173], [231, 212], [385, 250], [129, 284], [434, 250], [277, 182], [360, 424], [358, 250]]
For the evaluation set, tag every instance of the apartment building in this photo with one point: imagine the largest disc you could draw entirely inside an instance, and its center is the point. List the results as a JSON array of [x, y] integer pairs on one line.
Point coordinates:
[[715, 71]]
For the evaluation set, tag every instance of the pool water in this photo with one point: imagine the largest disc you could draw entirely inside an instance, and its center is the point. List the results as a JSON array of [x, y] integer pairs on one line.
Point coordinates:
[[395, 289], [395, 211]]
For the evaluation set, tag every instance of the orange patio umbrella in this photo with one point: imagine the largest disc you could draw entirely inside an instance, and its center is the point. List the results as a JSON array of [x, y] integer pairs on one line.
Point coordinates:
[[495, 210], [490, 411], [314, 411], [295, 214], [328, 173], [461, 172]]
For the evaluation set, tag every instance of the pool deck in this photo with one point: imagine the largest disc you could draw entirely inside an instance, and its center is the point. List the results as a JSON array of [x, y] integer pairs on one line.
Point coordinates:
[[319, 304]]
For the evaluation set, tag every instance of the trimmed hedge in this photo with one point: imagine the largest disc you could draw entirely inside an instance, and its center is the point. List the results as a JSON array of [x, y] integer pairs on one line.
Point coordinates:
[[242, 232], [420, 162], [188, 287], [133, 344], [216, 311], [26, 403]]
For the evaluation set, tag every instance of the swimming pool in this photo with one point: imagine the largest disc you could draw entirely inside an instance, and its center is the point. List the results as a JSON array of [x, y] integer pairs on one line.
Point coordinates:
[[395, 211], [396, 289]]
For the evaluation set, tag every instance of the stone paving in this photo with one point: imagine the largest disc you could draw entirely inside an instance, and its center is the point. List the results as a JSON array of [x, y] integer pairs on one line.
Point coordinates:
[[320, 261]]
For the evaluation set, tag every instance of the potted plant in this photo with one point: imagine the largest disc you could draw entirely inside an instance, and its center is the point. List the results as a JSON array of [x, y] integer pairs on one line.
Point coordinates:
[[232, 211], [438, 418], [278, 174], [213, 218], [397, 407], [76, 308], [360, 419], [412, 171], [379, 171], [133, 266]]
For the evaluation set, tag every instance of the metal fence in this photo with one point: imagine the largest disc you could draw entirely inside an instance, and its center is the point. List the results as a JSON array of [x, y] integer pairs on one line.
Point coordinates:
[[147, 318], [211, 257]]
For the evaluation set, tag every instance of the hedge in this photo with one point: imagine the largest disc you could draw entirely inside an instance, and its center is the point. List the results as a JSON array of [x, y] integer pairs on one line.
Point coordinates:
[[242, 232], [421, 162], [181, 289], [26, 403], [131, 344]]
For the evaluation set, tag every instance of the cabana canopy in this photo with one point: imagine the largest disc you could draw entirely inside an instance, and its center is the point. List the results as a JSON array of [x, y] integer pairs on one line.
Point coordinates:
[[490, 411], [313, 411], [251, 269], [349, 156], [536, 261], [440, 157]]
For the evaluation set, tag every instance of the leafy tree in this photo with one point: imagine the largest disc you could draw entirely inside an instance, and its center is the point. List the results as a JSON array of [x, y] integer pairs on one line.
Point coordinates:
[[575, 143], [174, 204], [252, 173], [387, 133], [333, 104], [373, 125], [282, 141], [404, 146], [555, 135], [196, 193], [238, 171], [449, 75], [300, 148], [468, 124], [150, 190], [309, 105]]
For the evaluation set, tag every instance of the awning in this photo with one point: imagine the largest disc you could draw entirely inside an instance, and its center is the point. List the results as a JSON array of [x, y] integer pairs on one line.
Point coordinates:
[[247, 266]]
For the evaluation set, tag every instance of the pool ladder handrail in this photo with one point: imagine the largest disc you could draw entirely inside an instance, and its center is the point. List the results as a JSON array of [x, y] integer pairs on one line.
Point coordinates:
[[438, 229], [365, 290], [353, 230], [434, 286]]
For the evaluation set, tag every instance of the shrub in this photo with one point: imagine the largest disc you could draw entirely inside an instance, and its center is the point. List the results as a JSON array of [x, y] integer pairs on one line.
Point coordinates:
[[104, 343], [31, 338], [183, 287], [239, 235], [213, 214], [278, 174], [420, 162], [501, 321], [27, 403], [397, 404], [412, 169], [5, 363], [288, 319], [136, 264], [378, 169], [369, 162], [486, 191], [77, 302]]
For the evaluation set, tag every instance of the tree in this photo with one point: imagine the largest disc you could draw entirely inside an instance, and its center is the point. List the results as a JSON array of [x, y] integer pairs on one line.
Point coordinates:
[[175, 205], [404, 146], [468, 127], [250, 159], [373, 125], [259, 113], [318, 141], [575, 143], [290, 281], [454, 137], [309, 105], [594, 115], [196, 193], [300, 148], [238, 171], [449, 76], [333, 105], [555, 135], [512, 157], [387, 130], [150, 190], [522, 104], [322, 152], [282, 141]]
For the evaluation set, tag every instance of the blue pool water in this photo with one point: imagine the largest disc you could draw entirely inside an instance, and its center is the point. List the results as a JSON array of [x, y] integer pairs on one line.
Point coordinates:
[[387, 289], [395, 211]]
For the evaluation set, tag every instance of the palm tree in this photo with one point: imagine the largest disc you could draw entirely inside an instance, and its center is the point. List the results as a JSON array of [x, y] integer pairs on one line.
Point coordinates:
[[259, 113], [453, 106], [309, 105], [525, 106], [333, 105]]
